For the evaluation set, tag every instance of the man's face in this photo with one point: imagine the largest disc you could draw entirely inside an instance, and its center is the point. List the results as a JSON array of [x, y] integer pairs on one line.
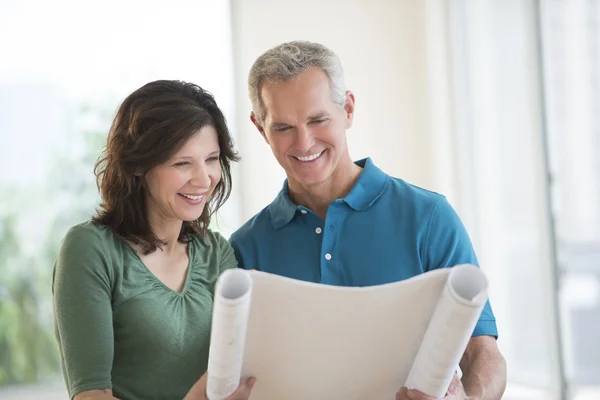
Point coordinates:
[[304, 127]]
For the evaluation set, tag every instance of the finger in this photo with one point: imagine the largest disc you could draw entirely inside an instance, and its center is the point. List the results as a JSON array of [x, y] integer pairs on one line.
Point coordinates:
[[401, 395], [411, 394], [453, 384], [414, 394], [243, 391], [250, 383]]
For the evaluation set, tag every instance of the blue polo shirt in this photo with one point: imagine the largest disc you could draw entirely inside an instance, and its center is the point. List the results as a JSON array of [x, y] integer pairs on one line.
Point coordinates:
[[384, 230]]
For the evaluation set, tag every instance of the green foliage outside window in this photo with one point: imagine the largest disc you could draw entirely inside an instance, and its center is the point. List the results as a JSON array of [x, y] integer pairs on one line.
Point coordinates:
[[28, 350]]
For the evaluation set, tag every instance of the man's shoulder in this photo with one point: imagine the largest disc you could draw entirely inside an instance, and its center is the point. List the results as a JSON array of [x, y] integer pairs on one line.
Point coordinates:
[[256, 226], [397, 190], [412, 196]]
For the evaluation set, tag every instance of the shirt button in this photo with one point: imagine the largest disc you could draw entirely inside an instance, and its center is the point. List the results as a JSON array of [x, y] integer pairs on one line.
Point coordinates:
[[328, 256], [318, 230], [303, 211]]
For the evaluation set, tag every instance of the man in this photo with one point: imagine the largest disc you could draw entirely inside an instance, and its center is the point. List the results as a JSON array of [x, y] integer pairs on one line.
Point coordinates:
[[347, 223]]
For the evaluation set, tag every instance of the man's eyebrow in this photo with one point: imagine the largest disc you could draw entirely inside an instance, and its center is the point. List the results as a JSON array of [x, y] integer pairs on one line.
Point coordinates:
[[275, 125], [319, 115]]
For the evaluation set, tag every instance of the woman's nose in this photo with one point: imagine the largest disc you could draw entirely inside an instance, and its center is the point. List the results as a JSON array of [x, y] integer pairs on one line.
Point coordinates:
[[201, 177]]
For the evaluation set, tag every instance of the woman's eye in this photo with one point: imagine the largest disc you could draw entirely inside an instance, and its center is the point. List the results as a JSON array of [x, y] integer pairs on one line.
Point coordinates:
[[181, 164], [212, 159]]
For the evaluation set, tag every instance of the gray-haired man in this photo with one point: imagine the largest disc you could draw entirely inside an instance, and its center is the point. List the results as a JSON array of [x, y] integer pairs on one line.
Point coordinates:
[[341, 222]]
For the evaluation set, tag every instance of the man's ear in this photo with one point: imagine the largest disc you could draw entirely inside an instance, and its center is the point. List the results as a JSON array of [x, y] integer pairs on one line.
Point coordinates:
[[349, 105], [258, 126]]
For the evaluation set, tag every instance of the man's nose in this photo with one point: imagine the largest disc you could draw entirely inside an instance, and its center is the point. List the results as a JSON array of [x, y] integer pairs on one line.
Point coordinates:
[[304, 139]]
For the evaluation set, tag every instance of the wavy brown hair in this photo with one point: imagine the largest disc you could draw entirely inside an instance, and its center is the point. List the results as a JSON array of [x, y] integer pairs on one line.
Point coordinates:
[[150, 126]]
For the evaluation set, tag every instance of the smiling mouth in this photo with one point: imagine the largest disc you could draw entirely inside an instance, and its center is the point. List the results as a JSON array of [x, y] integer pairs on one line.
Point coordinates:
[[192, 197], [312, 157]]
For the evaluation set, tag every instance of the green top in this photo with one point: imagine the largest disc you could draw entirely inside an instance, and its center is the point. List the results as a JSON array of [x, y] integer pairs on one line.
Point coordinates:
[[118, 326]]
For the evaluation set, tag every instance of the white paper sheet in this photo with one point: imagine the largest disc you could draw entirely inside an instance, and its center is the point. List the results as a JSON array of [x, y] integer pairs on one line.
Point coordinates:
[[304, 340]]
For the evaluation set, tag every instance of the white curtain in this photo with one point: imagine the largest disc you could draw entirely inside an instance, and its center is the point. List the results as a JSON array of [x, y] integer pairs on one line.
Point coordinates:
[[496, 76]]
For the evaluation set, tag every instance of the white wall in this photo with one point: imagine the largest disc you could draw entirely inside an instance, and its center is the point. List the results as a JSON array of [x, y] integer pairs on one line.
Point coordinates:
[[383, 47]]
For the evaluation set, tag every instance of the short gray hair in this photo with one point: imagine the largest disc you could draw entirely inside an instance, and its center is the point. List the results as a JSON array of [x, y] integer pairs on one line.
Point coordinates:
[[286, 61]]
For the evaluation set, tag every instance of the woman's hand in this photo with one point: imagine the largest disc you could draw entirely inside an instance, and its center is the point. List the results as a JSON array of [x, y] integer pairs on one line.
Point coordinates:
[[198, 391], [105, 394], [243, 391], [99, 397]]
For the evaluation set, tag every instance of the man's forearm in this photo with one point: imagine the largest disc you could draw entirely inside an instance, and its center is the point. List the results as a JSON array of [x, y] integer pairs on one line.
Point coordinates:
[[484, 376]]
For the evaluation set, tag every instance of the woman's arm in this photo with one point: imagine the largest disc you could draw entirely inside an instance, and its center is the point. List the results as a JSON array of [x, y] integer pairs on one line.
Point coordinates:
[[82, 297]]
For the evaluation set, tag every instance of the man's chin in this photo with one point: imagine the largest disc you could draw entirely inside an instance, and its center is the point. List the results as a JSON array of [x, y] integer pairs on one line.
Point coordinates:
[[314, 180], [309, 178]]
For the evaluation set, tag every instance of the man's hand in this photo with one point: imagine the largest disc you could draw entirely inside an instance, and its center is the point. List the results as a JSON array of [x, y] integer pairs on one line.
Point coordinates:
[[456, 391]]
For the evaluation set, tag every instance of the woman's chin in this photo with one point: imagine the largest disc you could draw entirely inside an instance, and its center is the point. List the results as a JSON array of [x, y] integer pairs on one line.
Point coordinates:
[[190, 217]]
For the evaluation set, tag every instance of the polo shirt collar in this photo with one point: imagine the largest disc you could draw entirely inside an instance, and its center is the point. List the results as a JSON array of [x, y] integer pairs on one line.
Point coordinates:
[[282, 209], [369, 186]]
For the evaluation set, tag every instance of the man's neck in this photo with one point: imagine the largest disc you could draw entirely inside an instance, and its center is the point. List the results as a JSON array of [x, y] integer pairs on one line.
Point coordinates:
[[318, 197]]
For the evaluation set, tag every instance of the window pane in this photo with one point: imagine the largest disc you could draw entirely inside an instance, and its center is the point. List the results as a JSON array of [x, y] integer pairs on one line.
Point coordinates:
[[66, 65], [571, 39], [503, 171]]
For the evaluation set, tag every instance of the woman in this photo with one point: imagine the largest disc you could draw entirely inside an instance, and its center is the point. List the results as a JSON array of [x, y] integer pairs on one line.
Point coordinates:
[[133, 287]]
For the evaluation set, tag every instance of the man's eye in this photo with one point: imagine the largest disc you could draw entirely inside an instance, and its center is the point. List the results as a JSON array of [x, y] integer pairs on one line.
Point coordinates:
[[282, 128]]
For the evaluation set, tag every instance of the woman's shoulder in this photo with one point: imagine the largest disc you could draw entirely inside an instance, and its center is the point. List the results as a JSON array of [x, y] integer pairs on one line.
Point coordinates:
[[213, 245], [88, 239], [87, 252], [211, 239], [89, 232], [213, 253]]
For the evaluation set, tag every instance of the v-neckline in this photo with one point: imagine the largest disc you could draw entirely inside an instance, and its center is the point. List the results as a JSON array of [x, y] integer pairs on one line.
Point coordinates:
[[188, 272]]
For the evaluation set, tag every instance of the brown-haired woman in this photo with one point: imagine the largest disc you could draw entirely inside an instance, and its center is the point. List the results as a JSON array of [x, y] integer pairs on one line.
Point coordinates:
[[133, 287]]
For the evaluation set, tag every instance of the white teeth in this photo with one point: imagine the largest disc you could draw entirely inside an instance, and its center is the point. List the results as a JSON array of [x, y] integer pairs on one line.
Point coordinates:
[[310, 158], [189, 196]]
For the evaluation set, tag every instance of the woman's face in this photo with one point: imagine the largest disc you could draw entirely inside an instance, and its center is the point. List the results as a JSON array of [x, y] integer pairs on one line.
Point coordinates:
[[180, 188]]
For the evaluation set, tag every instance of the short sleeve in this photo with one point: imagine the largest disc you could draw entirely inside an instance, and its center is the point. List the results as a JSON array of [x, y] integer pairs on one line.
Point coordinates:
[[82, 311], [448, 244]]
